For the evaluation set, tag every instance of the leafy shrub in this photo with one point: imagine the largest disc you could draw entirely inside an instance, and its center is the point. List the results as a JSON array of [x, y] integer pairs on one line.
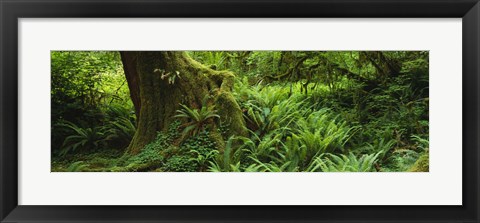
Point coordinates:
[[196, 118], [178, 163], [120, 130], [78, 166], [344, 163], [401, 160], [149, 158], [199, 149], [80, 138], [321, 133], [229, 160]]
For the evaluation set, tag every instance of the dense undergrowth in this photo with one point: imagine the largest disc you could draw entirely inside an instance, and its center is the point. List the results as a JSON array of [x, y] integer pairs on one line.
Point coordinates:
[[310, 123]]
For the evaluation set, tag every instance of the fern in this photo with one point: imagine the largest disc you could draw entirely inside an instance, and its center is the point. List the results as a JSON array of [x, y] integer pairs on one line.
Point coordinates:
[[320, 133], [78, 166], [122, 129], [422, 143], [196, 118], [381, 146], [345, 163], [229, 160], [80, 138]]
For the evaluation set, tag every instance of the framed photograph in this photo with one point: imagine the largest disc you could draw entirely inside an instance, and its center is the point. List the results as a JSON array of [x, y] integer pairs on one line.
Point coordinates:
[[229, 111]]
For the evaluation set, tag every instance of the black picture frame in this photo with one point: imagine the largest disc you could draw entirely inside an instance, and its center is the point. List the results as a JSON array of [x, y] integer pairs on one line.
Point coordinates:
[[12, 10]]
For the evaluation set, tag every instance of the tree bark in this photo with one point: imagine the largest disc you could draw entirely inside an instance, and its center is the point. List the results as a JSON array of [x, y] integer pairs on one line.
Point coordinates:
[[161, 81], [129, 66]]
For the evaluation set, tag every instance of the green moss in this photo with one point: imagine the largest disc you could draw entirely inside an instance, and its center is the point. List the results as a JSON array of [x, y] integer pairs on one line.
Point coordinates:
[[217, 139], [160, 99], [421, 165], [228, 81], [231, 114]]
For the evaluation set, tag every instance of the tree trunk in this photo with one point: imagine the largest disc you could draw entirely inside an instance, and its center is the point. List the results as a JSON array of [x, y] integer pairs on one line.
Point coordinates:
[[129, 66], [160, 81]]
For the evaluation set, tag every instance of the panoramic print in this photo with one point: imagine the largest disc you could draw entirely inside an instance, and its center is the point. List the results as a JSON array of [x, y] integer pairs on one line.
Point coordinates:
[[240, 111]]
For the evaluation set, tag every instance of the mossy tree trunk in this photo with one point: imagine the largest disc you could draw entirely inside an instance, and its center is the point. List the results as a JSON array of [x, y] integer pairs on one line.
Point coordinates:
[[160, 81]]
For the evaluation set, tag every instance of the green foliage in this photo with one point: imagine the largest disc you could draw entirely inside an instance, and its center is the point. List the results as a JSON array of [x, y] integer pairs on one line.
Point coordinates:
[[202, 157], [81, 138], [411, 159], [180, 164], [201, 149], [82, 81], [347, 163], [77, 166], [118, 131], [320, 133], [196, 118], [85, 89], [381, 146], [213, 59], [149, 158], [304, 111], [122, 130], [421, 143], [421, 165], [229, 161]]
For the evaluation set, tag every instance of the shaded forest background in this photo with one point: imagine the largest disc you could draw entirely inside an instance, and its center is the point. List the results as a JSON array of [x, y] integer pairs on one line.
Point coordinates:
[[345, 111]]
